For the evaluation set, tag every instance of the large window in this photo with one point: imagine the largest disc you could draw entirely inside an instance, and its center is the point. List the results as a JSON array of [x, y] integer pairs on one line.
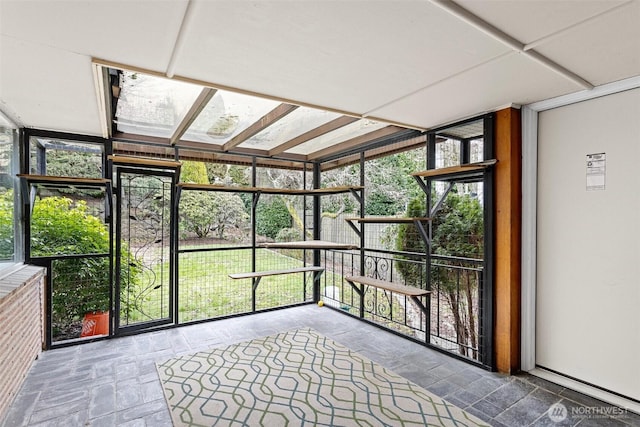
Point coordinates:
[[9, 224]]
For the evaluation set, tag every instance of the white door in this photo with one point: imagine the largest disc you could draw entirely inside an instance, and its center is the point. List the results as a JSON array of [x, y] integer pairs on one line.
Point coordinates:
[[588, 243]]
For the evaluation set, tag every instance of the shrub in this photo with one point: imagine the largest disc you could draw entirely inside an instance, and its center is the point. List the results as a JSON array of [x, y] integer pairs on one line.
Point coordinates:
[[381, 204], [60, 226], [204, 212], [271, 217]]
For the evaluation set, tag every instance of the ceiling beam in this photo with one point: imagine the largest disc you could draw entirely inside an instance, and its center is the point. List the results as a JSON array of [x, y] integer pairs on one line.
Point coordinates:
[[313, 133], [196, 108], [265, 121], [178, 46], [354, 142]]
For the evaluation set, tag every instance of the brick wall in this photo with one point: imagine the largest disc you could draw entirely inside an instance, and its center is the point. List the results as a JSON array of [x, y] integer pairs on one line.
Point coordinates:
[[21, 328]]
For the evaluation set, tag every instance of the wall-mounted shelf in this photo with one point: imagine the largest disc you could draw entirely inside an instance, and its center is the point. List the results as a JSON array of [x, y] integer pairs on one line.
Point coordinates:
[[144, 162], [307, 244], [387, 219], [465, 173], [460, 173], [65, 181]]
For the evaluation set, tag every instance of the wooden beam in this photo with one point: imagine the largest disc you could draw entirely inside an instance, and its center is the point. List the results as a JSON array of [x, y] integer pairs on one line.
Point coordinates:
[[508, 211], [142, 161], [313, 133], [354, 142], [196, 108], [265, 121], [387, 150], [137, 138]]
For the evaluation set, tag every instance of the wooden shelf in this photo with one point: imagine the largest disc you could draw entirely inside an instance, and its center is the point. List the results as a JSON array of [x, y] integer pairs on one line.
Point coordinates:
[[142, 161], [388, 220], [307, 244], [267, 190], [411, 291], [257, 274], [453, 172], [65, 180]]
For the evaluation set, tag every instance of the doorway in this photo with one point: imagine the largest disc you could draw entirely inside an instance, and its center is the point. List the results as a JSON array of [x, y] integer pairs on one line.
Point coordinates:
[[144, 249]]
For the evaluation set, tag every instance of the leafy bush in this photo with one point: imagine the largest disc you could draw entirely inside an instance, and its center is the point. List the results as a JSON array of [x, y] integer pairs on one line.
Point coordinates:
[[60, 226], [197, 211], [271, 217], [204, 212], [381, 204], [458, 229]]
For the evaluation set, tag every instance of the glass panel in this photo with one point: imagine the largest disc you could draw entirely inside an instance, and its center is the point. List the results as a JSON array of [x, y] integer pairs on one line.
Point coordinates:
[[62, 158], [477, 150], [226, 115], [7, 205], [68, 222], [292, 125], [447, 153], [151, 105], [345, 133]]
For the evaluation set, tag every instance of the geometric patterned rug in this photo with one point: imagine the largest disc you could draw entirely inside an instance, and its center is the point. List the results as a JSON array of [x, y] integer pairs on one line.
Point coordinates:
[[297, 378]]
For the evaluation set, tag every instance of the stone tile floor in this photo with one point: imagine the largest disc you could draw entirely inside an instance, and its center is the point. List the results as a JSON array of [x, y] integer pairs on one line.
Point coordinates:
[[114, 382]]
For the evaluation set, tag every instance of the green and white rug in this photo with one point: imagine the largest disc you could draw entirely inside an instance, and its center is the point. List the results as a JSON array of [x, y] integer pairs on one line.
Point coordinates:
[[297, 378]]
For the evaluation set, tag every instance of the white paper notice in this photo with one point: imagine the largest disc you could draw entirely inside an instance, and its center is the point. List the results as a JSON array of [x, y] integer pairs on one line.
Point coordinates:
[[596, 167]]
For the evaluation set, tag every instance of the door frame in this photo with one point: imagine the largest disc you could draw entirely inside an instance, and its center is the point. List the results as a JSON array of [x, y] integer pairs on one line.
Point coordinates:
[[173, 291]]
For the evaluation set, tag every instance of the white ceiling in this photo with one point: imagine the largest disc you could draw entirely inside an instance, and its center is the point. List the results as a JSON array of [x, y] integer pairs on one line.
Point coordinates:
[[410, 62]]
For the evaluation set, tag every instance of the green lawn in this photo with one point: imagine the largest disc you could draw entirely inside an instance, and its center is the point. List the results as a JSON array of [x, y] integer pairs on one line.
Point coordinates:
[[206, 291]]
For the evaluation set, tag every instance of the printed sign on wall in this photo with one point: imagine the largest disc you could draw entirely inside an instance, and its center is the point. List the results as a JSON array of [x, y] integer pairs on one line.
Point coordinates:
[[596, 167]]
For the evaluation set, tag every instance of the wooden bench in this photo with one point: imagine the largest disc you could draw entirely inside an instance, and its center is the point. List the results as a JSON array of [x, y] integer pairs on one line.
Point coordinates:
[[410, 291]]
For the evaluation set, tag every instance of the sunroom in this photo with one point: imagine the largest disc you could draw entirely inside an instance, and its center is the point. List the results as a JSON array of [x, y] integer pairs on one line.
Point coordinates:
[[370, 162]]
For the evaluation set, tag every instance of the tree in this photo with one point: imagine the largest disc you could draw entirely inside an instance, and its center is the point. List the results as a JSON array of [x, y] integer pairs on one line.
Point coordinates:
[[202, 212], [458, 231], [408, 239], [272, 216]]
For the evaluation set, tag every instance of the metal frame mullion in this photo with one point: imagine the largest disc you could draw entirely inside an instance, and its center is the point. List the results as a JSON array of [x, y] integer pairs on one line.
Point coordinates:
[[486, 291]]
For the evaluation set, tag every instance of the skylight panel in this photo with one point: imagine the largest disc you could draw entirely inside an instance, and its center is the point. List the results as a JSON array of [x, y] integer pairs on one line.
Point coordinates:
[[226, 115], [152, 106], [301, 120], [361, 127]]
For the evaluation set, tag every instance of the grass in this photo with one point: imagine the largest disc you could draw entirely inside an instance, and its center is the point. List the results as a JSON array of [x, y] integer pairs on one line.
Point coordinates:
[[206, 291]]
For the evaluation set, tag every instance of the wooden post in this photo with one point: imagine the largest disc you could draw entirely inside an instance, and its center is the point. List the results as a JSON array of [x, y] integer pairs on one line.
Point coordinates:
[[508, 216]]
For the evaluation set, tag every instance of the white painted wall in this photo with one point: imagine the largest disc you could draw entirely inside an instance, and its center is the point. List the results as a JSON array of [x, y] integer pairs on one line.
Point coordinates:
[[587, 315]]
